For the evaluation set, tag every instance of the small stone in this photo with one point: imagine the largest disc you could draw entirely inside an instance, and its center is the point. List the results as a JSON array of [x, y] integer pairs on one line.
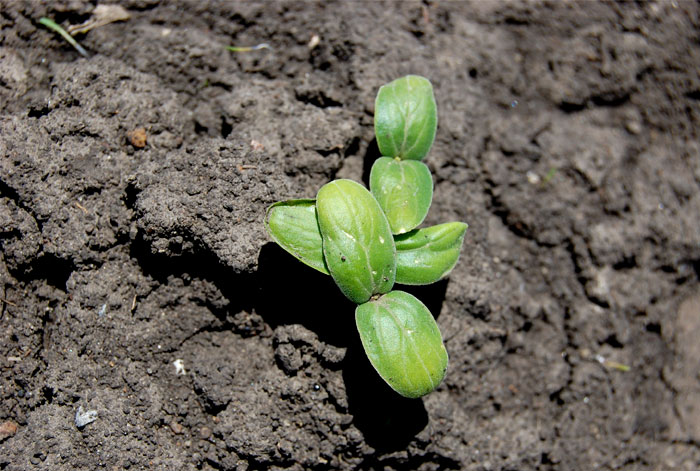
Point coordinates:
[[634, 127], [82, 418], [598, 287], [205, 433], [179, 367], [176, 428], [314, 41], [532, 177]]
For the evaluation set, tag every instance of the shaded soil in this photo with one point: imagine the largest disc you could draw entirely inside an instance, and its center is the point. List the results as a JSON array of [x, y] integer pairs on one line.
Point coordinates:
[[568, 140]]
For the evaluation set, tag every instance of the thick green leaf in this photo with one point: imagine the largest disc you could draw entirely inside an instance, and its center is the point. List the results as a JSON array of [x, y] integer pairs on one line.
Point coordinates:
[[403, 343], [404, 190], [293, 225], [357, 243], [426, 255], [405, 118]]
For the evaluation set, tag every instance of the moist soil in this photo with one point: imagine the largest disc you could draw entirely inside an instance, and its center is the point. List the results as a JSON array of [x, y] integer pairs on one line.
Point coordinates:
[[148, 322]]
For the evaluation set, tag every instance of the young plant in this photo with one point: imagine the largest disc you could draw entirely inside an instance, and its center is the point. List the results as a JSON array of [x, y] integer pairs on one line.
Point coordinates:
[[368, 240], [52, 25]]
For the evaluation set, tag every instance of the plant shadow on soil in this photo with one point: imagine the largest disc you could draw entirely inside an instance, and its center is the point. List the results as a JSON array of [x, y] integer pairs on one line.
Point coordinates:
[[284, 291], [371, 154], [292, 293]]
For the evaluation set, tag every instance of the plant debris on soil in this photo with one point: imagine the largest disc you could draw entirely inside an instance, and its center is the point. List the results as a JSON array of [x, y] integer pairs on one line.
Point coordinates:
[[147, 322]]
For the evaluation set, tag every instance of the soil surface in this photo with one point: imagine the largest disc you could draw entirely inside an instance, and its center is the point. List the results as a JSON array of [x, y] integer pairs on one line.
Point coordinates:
[[147, 321]]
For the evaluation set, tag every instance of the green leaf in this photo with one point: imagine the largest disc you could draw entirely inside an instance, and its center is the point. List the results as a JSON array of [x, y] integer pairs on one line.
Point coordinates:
[[426, 255], [293, 225], [405, 118], [404, 190], [357, 243], [403, 343]]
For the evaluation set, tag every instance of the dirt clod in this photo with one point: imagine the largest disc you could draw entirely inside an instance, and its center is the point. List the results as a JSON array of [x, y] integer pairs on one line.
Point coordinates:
[[7, 429], [205, 433], [137, 137]]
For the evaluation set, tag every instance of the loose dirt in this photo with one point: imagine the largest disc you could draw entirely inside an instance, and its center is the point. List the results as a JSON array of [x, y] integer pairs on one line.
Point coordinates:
[[141, 298]]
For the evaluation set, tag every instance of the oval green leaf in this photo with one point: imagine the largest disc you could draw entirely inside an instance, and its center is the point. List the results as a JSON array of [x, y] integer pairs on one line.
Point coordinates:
[[404, 190], [358, 246], [403, 343], [405, 118], [293, 225], [426, 255]]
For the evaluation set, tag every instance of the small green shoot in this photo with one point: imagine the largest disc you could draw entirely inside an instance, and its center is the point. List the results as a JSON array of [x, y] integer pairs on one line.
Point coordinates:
[[618, 366], [248, 48], [368, 240], [612, 364], [549, 175], [51, 24]]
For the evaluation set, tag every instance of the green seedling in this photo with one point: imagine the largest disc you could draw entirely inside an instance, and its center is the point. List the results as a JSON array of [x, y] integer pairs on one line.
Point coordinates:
[[423, 256], [612, 364], [52, 25], [248, 48], [367, 241], [550, 174]]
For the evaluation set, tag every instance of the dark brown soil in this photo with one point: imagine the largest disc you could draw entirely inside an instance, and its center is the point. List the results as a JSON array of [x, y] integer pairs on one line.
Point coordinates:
[[568, 140]]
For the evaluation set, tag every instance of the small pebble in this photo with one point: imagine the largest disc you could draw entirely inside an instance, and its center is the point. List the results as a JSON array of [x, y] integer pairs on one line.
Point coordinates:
[[179, 367], [176, 428], [634, 127], [313, 42], [532, 177], [82, 418]]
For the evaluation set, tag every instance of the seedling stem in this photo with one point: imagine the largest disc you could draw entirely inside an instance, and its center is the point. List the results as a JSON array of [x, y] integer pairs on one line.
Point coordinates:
[[51, 24]]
